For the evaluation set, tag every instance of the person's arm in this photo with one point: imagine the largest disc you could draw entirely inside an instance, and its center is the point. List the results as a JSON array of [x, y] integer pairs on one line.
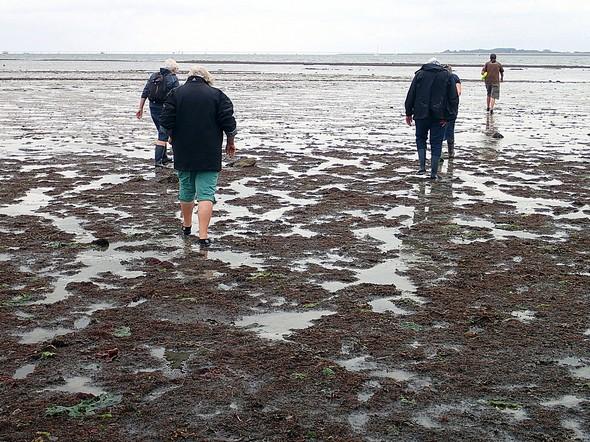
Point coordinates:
[[484, 69], [227, 123], [458, 85], [501, 73], [144, 95], [453, 98], [139, 112], [409, 104], [230, 146]]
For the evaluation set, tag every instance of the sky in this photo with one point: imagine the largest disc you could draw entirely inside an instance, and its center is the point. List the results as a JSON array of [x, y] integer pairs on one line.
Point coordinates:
[[291, 26]]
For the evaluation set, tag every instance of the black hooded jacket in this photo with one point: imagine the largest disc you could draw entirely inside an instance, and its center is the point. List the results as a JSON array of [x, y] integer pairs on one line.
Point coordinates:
[[196, 115], [432, 94]]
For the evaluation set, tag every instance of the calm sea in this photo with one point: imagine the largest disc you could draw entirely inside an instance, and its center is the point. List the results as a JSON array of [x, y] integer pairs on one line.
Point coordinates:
[[563, 67]]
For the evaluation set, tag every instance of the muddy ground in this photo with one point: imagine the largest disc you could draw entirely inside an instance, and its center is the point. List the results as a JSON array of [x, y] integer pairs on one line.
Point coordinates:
[[344, 298]]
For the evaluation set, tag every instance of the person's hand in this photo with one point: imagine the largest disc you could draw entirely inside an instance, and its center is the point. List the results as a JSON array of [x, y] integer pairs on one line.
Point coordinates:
[[230, 149], [443, 123], [139, 114], [409, 120]]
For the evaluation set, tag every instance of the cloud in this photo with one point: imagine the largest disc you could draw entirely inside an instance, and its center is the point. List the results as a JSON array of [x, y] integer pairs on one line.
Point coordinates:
[[280, 26]]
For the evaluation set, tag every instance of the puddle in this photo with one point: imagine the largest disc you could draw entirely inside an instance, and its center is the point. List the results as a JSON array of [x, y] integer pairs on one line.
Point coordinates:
[[576, 427], [567, 401], [578, 367], [524, 315], [279, 325], [99, 261], [41, 334], [358, 421], [174, 361], [368, 391], [136, 303], [33, 201], [24, 371], [82, 322], [235, 259], [357, 364], [386, 235], [362, 363], [78, 384], [159, 392], [426, 421], [384, 305]]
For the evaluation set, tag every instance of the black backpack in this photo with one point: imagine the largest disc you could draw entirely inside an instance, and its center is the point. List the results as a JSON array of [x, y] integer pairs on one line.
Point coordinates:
[[157, 88]]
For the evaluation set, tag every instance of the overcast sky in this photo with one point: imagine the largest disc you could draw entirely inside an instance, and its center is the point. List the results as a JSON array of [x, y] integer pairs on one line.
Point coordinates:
[[304, 26]]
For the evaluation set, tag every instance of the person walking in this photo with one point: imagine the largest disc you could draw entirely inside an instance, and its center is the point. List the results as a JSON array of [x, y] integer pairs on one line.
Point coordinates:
[[493, 73], [449, 136], [196, 115], [432, 101], [155, 90]]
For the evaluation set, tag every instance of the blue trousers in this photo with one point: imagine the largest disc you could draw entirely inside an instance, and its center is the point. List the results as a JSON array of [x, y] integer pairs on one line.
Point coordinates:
[[450, 131], [437, 132]]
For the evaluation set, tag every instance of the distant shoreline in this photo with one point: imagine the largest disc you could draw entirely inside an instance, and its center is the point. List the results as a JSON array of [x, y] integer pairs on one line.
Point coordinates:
[[310, 63]]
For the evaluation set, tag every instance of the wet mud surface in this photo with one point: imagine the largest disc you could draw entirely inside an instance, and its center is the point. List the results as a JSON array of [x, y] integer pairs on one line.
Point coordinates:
[[344, 298]]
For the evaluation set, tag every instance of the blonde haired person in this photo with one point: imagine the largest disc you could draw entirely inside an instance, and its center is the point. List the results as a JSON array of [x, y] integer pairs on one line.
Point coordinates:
[[155, 90], [196, 115]]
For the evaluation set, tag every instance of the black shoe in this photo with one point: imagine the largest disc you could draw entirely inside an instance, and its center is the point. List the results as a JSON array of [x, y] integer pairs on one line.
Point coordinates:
[[491, 111], [421, 171], [167, 160], [186, 231], [488, 109], [435, 177], [159, 164], [204, 243]]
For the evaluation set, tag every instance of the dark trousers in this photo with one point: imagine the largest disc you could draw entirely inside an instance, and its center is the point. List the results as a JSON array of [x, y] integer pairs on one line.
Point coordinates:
[[437, 132], [450, 131], [160, 151], [155, 112]]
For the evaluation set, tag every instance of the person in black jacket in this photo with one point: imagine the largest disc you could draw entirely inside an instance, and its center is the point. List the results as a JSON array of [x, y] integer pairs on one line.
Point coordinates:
[[155, 90], [432, 101], [196, 115]]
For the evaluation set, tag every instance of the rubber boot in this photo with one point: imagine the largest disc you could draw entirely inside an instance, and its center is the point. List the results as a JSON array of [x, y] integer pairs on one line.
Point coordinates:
[[434, 167], [166, 159], [422, 160], [160, 151], [451, 146]]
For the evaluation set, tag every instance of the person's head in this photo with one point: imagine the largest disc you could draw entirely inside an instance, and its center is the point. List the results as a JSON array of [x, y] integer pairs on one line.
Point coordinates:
[[448, 67], [433, 60], [171, 65], [492, 57], [200, 71]]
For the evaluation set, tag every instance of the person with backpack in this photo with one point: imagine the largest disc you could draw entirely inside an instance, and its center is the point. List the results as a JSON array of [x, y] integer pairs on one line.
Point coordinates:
[[155, 90]]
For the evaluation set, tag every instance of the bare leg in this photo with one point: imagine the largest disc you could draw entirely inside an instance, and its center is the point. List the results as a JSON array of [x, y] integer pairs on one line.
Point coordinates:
[[492, 102], [187, 213], [204, 213], [488, 102]]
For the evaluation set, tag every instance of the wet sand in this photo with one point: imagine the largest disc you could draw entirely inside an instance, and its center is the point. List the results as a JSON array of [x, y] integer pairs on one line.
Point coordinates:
[[344, 297]]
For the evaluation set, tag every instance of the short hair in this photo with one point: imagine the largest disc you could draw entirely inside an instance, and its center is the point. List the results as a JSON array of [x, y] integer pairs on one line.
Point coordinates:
[[171, 64], [200, 71], [492, 56]]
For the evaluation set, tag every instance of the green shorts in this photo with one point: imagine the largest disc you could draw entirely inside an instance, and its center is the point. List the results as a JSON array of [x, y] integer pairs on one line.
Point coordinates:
[[201, 185], [493, 91]]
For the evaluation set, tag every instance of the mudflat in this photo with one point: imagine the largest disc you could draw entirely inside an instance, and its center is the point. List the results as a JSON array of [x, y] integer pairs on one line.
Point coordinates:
[[344, 298]]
